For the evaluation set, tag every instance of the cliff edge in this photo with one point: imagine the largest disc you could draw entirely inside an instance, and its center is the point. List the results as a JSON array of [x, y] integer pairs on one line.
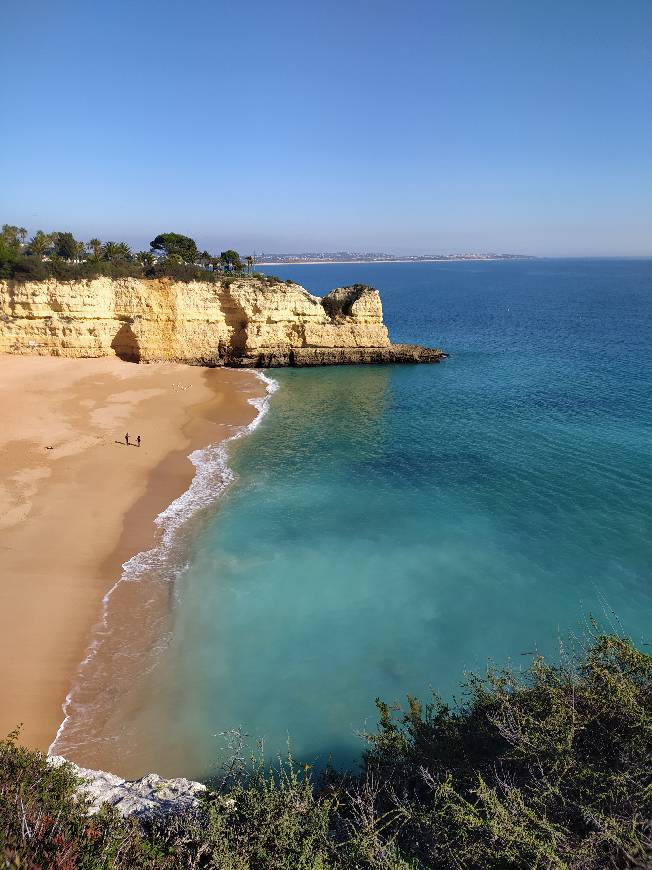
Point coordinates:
[[149, 797], [252, 322]]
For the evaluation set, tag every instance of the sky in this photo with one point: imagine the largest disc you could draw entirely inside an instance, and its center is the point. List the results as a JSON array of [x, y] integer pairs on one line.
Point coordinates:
[[413, 127]]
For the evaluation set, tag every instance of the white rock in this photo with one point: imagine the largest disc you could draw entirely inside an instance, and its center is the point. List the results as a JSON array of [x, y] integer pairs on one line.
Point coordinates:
[[146, 798]]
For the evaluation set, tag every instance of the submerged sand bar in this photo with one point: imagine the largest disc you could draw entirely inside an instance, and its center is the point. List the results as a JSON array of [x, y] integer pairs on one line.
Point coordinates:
[[75, 505]]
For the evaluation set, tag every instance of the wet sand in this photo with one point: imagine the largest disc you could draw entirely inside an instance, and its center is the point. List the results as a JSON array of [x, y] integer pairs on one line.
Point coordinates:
[[76, 502]]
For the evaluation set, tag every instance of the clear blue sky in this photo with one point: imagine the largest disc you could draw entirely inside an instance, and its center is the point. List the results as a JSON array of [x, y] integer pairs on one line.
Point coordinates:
[[411, 127]]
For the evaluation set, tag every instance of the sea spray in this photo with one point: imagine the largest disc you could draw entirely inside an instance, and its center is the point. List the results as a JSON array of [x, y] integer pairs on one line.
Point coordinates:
[[162, 564]]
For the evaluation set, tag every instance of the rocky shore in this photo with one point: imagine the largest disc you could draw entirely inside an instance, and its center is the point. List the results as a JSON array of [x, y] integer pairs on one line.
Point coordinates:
[[337, 356], [150, 797], [254, 321]]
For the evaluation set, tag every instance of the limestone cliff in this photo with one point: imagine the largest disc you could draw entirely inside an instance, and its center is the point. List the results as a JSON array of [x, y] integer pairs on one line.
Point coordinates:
[[240, 322]]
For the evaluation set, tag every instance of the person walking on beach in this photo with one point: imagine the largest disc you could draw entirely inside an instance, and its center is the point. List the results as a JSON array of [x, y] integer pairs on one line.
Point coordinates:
[[138, 441], [127, 439]]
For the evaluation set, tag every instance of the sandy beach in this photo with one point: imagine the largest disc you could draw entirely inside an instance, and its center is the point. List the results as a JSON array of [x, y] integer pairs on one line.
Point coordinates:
[[76, 502]]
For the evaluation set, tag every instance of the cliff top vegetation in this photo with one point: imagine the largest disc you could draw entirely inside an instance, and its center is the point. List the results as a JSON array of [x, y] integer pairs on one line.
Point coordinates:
[[545, 768], [59, 255]]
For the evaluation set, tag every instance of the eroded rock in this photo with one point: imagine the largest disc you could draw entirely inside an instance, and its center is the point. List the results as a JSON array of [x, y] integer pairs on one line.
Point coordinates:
[[240, 322], [146, 798]]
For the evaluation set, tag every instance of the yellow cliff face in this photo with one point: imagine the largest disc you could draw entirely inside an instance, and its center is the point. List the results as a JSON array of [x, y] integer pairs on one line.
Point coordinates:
[[245, 321]]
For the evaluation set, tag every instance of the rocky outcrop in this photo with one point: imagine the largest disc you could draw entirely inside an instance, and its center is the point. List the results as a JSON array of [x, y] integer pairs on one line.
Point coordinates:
[[337, 356], [148, 798], [241, 322]]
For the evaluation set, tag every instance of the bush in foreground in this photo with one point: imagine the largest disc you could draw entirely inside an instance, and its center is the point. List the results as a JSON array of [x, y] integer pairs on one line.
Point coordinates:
[[44, 822], [548, 769], [552, 769]]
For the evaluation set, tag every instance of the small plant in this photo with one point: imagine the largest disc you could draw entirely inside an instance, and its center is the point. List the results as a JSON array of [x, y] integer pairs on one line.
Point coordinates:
[[545, 769], [550, 768], [44, 821]]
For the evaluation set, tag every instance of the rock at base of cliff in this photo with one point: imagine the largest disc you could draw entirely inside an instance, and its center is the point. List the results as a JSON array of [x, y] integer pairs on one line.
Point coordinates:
[[320, 356], [151, 797]]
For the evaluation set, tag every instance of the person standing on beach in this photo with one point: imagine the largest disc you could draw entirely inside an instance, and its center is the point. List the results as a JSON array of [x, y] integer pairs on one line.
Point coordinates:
[[138, 441], [127, 439]]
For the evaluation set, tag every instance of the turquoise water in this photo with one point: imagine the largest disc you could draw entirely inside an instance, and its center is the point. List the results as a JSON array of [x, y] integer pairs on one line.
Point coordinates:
[[391, 527]]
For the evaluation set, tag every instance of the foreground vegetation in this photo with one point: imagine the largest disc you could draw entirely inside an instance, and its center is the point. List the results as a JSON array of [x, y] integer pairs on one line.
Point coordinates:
[[60, 255], [549, 768]]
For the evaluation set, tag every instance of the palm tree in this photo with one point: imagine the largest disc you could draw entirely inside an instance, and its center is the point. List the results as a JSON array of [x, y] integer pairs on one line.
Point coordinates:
[[96, 249], [250, 264], [110, 251], [145, 258], [113, 251], [39, 243]]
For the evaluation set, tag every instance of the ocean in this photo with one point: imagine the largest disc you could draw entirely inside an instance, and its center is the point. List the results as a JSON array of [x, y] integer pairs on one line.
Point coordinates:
[[389, 529]]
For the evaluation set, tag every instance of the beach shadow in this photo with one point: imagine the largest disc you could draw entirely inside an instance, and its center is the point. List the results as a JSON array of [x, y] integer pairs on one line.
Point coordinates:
[[125, 344], [237, 319]]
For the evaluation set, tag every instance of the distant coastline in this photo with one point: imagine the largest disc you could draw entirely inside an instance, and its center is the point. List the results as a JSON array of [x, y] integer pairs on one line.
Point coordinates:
[[346, 258], [385, 262]]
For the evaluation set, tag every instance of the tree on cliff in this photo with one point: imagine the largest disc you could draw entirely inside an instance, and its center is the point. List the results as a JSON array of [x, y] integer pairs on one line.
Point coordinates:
[[95, 247], [11, 241], [174, 245], [39, 243], [145, 258], [13, 237], [206, 259], [66, 246], [115, 251], [230, 261], [8, 258]]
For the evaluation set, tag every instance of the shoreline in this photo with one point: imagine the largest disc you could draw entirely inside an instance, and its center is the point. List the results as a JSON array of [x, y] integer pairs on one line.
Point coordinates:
[[76, 503], [112, 687]]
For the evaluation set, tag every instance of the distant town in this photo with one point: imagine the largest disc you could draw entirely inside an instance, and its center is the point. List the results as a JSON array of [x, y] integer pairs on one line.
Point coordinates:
[[358, 257]]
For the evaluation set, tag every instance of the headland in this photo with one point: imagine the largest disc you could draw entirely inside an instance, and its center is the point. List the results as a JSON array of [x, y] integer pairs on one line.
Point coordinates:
[[249, 321]]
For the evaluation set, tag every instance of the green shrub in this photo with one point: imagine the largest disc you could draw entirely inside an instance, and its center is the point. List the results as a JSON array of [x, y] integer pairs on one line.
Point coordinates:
[[545, 769], [181, 271], [44, 822], [9, 255], [273, 819], [26, 267], [30, 268], [63, 270]]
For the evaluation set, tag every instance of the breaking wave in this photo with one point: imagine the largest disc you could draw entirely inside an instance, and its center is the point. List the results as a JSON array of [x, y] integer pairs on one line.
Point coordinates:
[[151, 570]]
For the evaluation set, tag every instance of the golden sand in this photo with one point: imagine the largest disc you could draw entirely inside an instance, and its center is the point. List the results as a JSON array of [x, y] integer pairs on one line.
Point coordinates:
[[76, 502]]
